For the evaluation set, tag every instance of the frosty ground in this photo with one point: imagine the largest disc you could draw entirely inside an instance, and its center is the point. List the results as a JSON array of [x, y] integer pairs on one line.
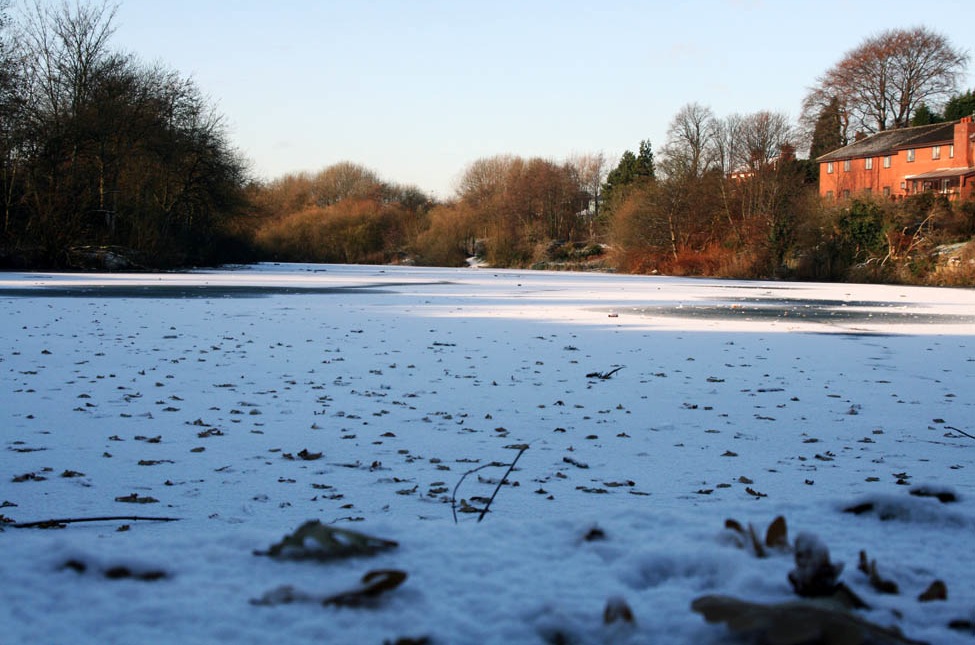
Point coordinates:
[[248, 401]]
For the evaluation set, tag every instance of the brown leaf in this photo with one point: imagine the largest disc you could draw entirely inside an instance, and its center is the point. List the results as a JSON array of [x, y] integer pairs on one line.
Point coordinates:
[[594, 534], [134, 498], [777, 536], [859, 509], [374, 584], [937, 590], [316, 541], [792, 623], [876, 581], [944, 496], [756, 543], [31, 477], [617, 610]]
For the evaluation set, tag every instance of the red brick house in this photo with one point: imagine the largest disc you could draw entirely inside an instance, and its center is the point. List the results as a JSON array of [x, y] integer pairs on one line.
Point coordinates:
[[907, 161]]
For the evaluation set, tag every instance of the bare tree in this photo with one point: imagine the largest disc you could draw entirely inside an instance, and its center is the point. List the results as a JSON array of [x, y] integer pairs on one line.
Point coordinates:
[[880, 83], [343, 180], [729, 143], [484, 177], [110, 151], [591, 172], [67, 47], [691, 138], [764, 135]]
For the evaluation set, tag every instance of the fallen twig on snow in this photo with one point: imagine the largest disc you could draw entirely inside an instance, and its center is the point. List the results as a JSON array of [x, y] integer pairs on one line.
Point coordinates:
[[494, 464], [59, 522], [521, 450], [604, 375], [970, 436]]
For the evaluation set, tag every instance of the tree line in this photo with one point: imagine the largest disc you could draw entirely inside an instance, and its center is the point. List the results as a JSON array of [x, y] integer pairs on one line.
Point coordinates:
[[104, 158], [99, 149]]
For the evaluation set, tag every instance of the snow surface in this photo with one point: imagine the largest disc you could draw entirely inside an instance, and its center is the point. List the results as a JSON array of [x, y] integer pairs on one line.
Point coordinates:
[[813, 397]]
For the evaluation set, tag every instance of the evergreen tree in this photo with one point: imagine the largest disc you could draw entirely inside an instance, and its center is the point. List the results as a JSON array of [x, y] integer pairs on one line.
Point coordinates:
[[644, 167], [828, 133], [631, 168], [923, 115], [960, 105], [624, 173]]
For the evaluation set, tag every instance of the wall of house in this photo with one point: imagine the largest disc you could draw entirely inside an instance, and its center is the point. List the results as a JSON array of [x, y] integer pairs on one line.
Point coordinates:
[[851, 177]]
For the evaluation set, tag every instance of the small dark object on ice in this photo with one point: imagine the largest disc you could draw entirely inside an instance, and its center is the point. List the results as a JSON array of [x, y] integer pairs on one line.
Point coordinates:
[[604, 375]]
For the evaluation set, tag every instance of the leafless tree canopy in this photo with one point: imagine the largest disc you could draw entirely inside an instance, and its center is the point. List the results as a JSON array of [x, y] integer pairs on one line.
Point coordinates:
[[881, 83], [699, 142], [764, 135], [691, 140]]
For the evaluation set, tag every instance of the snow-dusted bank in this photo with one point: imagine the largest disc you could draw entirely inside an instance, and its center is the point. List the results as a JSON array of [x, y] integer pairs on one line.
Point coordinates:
[[246, 402]]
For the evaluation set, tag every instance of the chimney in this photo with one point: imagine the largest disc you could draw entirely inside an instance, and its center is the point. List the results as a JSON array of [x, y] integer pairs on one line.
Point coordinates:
[[964, 131]]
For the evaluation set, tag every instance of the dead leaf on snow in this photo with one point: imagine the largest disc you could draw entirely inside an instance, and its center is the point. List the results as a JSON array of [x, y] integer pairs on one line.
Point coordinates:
[[943, 495], [373, 585], [28, 477], [937, 590], [135, 498], [315, 541], [777, 535], [617, 610], [796, 622], [869, 567]]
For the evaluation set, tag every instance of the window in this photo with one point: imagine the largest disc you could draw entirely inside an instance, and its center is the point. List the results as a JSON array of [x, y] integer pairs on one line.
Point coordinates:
[[829, 168], [868, 190], [868, 163], [887, 161], [910, 155], [846, 165], [886, 191], [846, 194], [829, 194], [936, 152], [951, 151]]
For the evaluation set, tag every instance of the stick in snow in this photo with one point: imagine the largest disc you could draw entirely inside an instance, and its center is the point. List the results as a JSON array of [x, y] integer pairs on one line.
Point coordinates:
[[46, 524]]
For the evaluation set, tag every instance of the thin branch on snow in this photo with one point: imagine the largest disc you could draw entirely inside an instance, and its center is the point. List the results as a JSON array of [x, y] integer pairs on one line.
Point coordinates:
[[494, 464], [47, 524], [521, 451]]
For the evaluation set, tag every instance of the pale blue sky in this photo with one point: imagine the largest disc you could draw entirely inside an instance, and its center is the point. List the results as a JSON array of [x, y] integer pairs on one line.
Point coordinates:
[[416, 90]]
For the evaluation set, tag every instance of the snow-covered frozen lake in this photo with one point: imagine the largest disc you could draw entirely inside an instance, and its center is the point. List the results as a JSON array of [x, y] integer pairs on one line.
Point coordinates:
[[246, 402]]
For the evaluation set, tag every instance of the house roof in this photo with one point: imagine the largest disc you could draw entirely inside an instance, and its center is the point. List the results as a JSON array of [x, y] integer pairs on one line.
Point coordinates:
[[888, 141], [943, 173]]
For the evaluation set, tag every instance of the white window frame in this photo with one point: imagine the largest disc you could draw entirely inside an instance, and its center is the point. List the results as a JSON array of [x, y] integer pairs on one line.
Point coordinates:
[[829, 167], [910, 155], [868, 163], [887, 161], [846, 165], [935, 152]]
